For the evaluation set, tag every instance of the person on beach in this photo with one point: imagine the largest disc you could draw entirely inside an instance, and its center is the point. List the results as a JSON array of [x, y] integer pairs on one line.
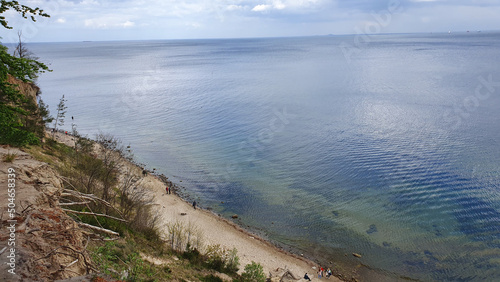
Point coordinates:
[[166, 188], [194, 204], [306, 277], [328, 273], [319, 274]]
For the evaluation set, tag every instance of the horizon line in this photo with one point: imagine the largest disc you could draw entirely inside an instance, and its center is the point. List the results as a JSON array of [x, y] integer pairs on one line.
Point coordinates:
[[262, 37]]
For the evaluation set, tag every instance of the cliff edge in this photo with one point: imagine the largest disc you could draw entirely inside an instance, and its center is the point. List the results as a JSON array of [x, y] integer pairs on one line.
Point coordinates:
[[38, 241]]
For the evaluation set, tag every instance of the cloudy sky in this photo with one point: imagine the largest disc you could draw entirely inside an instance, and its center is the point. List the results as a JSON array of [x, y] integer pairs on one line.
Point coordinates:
[[79, 20]]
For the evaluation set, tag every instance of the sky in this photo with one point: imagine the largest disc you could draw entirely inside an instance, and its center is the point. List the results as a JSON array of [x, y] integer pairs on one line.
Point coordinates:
[[102, 20]]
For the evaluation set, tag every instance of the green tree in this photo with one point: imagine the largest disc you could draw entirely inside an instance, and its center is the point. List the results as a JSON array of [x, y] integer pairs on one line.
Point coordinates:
[[21, 9], [12, 110], [15, 107], [61, 114], [254, 272], [39, 118], [44, 112], [22, 51]]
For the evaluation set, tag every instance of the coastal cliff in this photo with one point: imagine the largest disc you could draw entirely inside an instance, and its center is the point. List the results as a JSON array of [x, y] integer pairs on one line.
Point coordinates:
[[48, 244], [29, 89]]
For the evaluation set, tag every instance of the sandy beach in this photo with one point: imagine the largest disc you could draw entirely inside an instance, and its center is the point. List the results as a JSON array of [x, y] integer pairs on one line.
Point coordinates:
[[217, 230]]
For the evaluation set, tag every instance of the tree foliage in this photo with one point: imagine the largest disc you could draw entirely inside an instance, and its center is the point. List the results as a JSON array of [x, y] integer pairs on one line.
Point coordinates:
[[61, 112], [254, 272], [16, 111], [44, 112], [222, 259], [24, 10]]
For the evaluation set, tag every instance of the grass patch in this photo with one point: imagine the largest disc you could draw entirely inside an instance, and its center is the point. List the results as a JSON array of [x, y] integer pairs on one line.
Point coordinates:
[[51, 152], [211, 278], [120, 261], [8, 158]]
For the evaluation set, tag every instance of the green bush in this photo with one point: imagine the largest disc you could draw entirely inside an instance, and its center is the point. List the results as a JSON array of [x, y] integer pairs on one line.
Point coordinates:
[[183, 237], [232, 261], [221, 259], [14, 134], [254, 272], [193, 255]]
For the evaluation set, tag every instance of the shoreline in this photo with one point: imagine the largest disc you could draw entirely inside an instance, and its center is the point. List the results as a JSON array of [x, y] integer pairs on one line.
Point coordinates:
[[217, 229], [222, 231]]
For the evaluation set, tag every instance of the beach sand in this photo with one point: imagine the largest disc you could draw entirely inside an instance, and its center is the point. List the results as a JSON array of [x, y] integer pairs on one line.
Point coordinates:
[[217, 230]]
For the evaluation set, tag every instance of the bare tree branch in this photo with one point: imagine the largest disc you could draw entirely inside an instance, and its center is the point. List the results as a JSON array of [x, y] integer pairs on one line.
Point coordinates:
[[73, 203], [96, 214], [104, 230]]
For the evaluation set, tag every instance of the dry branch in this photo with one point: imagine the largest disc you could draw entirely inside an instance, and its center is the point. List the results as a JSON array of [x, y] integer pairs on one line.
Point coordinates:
[[73, 203], [104, 230], [71, 263], [96, 214], [88, 266], [33, 230], [89, 197]]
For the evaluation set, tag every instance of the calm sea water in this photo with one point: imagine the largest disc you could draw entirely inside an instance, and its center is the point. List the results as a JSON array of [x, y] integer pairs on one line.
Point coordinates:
[[388, 148]]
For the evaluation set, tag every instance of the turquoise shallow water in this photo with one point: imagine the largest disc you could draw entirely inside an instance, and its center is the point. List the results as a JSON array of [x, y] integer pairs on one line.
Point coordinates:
[[391, 153]]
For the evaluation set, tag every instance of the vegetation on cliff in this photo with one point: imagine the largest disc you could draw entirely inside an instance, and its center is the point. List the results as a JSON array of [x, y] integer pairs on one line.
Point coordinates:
[[21, 120], [103, 189]]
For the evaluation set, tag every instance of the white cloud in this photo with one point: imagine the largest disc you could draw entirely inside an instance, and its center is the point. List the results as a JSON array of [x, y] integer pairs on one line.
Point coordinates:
[[128, 24], [279, 5], [262, 8], [143, 19], [108, 21], [291, 5], [235, 8]]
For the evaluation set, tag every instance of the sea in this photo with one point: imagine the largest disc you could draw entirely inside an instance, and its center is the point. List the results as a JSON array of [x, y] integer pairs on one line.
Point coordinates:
[[387, 145]]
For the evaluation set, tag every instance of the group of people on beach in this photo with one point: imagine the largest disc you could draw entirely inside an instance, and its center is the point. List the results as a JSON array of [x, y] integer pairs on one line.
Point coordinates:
[[169, 191], [321, 273]]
